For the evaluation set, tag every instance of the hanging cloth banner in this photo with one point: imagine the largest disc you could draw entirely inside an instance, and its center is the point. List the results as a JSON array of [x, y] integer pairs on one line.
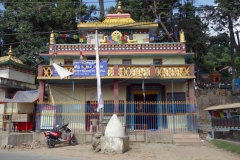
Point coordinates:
[[86, 68], [61, 71]]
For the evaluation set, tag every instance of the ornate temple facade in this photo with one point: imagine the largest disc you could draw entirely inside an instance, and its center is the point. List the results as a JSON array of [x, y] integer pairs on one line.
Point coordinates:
[[142, 77]]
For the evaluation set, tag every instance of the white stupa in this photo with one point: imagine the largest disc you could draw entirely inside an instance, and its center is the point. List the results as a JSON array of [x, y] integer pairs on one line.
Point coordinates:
[[114, 140], [114, 128]]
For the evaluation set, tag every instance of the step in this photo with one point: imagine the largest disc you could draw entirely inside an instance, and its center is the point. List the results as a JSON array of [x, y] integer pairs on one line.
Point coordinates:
[[186, 140], [188, 144], [185, 136]]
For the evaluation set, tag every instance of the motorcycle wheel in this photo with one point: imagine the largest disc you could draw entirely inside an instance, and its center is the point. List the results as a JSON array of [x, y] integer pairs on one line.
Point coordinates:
[[73, 141], [50, 144]]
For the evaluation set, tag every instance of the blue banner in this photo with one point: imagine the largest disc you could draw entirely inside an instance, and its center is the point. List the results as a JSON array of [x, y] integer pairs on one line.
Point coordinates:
[[85, 68]]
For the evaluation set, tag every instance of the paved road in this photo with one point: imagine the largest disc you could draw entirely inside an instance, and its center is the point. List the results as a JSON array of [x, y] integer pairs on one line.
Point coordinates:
[[21, 155]]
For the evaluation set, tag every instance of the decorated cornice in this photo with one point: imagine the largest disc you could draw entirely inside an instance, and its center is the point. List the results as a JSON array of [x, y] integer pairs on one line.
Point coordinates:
[[120, 24], [160, 47]]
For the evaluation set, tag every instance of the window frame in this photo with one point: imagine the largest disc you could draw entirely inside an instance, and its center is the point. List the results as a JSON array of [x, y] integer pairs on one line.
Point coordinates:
[[68, 60], [128, 59], [157, 59]]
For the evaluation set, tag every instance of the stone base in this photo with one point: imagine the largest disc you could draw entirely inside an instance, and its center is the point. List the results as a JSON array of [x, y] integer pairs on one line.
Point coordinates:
[[114, 144]]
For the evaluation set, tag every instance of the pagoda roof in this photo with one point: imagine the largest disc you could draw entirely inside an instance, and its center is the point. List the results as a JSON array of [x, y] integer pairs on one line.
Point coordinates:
[[117, 20], [10, 58]]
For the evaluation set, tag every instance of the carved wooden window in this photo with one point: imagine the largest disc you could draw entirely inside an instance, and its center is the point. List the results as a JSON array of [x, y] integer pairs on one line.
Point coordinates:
[[68, 61]]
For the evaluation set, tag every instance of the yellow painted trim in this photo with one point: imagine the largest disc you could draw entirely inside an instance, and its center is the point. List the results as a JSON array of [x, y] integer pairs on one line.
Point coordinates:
[[115, 24], [147, 92], [117, 77]]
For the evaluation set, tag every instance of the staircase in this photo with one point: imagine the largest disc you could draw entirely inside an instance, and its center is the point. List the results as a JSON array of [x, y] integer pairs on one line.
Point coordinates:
[[187, 139]]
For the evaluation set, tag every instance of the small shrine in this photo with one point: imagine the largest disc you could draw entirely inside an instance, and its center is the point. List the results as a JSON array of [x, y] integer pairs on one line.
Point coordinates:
[[215, 77], [16, 76]]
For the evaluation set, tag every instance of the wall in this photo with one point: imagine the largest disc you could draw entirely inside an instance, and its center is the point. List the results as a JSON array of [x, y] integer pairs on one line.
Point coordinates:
[[174, 60], [149, 60], [4, 73], [84, 92], [20, 76], [2, 108], [137, 60], [21, 108], [177, 87]]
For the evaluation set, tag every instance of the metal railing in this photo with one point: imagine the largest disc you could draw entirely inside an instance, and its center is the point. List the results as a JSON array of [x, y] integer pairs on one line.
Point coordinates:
[[157, 117]]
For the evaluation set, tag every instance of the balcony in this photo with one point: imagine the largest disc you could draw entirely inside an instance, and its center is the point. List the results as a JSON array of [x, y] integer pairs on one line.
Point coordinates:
[[130, 71]]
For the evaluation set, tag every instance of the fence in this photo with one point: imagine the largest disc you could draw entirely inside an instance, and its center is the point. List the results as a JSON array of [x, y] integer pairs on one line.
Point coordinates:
[[158, 117]]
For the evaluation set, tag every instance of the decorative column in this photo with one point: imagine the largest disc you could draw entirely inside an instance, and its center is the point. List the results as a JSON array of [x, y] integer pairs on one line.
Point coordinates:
[[191, 98]]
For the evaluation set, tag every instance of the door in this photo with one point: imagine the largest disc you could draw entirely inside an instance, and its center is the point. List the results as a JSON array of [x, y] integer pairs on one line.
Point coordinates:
[[145, 112]]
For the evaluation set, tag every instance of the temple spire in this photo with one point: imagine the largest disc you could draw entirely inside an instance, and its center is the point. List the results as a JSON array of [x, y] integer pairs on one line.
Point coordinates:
[[119, 8], [10, 53], [52, 38]]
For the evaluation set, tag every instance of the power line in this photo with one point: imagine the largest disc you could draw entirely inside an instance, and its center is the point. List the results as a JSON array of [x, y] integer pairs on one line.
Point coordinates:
[[113, 27]]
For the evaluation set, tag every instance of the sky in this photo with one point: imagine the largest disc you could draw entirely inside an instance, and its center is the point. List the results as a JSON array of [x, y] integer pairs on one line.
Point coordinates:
[[109, 3]]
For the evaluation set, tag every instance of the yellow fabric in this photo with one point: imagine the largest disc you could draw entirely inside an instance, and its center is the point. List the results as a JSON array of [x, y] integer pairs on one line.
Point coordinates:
[[221, 115], [147, 92]]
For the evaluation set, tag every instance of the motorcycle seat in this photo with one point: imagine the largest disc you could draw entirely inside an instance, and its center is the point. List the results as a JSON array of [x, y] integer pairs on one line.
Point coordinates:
[[58, 132]]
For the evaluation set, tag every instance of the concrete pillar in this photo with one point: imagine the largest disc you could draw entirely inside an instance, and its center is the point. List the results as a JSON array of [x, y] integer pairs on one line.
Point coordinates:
[[192, 70], [115, 69], [191, 94], [41, 91], [116, 99]]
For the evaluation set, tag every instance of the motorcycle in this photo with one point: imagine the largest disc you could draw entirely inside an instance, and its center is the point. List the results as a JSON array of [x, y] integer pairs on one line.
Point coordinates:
[[55, 137]]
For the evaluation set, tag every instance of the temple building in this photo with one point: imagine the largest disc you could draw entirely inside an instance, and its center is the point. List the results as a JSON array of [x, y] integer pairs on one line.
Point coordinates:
[[146, 82], [15, 76]]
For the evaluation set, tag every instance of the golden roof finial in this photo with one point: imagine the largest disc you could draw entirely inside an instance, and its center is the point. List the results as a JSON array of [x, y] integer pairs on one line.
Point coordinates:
[[214, 68], [10, 51], [119, 8], [52, 38], [182, 36]]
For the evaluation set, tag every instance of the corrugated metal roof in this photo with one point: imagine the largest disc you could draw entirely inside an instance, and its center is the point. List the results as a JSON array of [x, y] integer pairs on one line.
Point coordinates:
[[223, 106]]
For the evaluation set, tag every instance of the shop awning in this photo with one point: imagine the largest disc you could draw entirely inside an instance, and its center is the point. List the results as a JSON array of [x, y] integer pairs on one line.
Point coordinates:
[[23, 97], [224, 106]]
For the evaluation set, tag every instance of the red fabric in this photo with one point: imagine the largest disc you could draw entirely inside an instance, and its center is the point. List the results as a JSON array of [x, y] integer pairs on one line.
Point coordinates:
[[25, 126], [81, 54], [215, 114], [63, 35]]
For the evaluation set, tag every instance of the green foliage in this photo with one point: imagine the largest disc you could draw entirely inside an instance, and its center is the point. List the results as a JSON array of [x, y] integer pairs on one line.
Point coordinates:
[[226, 145], [140, 10], [27, 25]]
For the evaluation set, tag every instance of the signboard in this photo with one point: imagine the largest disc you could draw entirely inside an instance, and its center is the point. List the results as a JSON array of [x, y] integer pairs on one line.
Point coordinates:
[[86, 68], [236, 85]]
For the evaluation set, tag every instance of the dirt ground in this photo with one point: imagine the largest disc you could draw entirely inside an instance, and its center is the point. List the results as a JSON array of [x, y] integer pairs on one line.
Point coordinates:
[[137, 151]]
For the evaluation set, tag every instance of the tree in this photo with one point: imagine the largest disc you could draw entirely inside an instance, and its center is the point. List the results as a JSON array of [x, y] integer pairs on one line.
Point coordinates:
[[195, 32], [140, 10], [101, 6], [27, 25], [224, 18]]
